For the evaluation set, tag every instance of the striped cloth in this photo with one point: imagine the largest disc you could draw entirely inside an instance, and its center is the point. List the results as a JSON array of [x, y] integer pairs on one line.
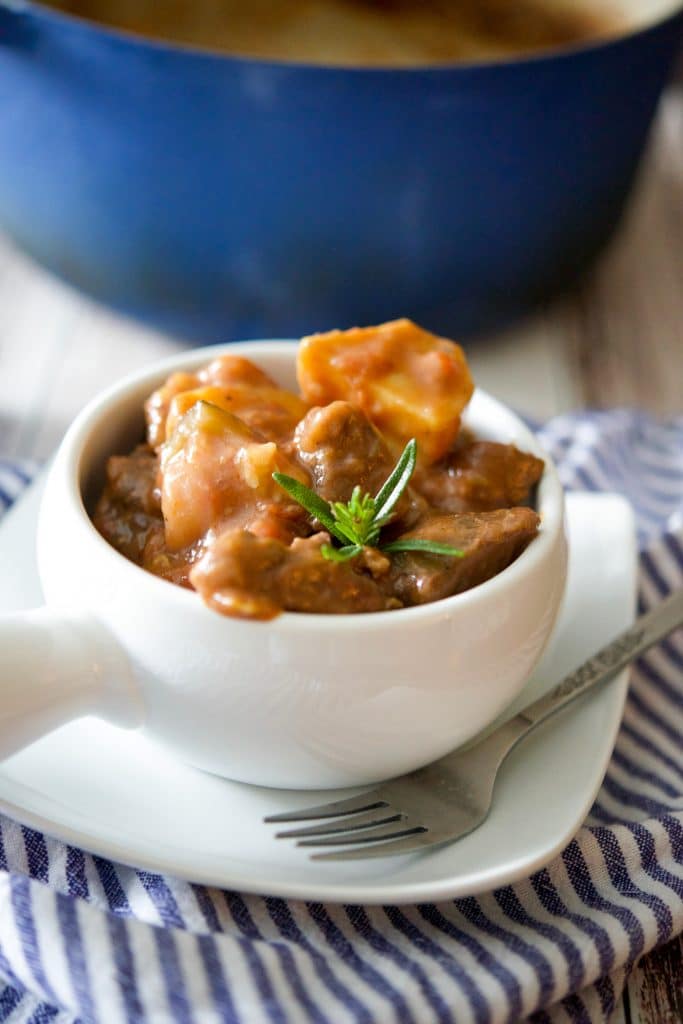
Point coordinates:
[[84, 939]]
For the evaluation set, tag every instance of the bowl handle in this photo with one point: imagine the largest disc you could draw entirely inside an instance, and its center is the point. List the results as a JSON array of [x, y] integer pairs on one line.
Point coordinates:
[[56, 667]]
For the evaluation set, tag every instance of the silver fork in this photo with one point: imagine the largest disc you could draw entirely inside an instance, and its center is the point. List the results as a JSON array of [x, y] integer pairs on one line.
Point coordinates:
[[451, 797]]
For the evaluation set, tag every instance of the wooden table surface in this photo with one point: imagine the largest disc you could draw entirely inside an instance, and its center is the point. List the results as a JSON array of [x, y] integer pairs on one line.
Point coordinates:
[[617, 339]]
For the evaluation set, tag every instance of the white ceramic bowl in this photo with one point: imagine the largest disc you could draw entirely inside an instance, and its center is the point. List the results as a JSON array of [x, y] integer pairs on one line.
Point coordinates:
[[306, 701]]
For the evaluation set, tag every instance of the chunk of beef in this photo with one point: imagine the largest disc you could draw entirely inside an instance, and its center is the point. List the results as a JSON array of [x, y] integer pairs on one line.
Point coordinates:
[[255, 578], [480, 476], [490, 541], [159, 559], [133, 480], [129, 507], [340, 448]]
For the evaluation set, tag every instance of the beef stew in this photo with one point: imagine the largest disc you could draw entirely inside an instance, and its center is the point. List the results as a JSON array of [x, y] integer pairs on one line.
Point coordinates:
[[203, 503]]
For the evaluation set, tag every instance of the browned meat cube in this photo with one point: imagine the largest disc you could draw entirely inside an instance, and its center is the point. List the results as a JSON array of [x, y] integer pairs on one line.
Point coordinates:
[[133, 479], [490, 541], [340, 448], [130, 503], [480, 476], [158, 558], [255, 578]]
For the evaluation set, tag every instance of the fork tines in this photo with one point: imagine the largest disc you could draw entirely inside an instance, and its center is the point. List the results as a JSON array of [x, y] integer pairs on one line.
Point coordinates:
[[371, 825]]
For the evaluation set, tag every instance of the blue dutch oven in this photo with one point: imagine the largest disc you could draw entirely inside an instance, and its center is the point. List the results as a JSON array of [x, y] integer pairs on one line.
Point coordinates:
[[222, 197]]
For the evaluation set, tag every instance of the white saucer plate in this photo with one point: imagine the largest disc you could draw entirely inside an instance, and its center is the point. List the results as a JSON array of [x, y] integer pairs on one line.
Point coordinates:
[[117, 794]]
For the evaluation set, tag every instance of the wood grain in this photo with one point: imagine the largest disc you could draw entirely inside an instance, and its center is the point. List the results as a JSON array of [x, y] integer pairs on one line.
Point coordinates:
[[624, 324], [617, 338], [655, 988]]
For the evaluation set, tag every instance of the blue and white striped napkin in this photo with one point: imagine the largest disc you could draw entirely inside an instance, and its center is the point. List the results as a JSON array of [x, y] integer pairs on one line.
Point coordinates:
[[85, 939]]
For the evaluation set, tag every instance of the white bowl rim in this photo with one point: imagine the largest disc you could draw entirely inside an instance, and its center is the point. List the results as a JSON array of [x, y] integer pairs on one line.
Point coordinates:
[[68, 465]]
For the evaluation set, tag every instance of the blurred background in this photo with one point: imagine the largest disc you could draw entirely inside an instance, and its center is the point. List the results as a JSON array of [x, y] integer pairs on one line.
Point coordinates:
[[222, 170], [505, 187]]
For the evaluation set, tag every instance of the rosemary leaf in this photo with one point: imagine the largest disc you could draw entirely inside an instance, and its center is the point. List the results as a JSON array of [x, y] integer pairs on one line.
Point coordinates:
[[429, 547], [357, 522], [340, 554], [396, 483], [356, 518]]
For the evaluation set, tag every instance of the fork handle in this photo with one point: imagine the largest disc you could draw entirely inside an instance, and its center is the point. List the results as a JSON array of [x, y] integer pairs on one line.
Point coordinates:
[[609, 660]]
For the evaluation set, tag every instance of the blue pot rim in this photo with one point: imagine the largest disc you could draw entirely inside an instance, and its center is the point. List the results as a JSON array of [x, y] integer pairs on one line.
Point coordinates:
[[51, 15]]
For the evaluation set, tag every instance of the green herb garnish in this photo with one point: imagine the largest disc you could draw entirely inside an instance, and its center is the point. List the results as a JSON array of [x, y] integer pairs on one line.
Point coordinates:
[[357, 523]]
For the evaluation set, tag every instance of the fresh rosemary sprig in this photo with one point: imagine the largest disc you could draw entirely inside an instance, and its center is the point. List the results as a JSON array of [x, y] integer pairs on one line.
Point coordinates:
[[358, 522]]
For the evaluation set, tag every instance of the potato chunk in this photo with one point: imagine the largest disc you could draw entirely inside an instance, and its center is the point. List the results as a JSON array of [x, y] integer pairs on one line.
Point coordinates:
[[157, 405], [232, 383], [268, 410], [408, 382], [214, 470], [226, 371]]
